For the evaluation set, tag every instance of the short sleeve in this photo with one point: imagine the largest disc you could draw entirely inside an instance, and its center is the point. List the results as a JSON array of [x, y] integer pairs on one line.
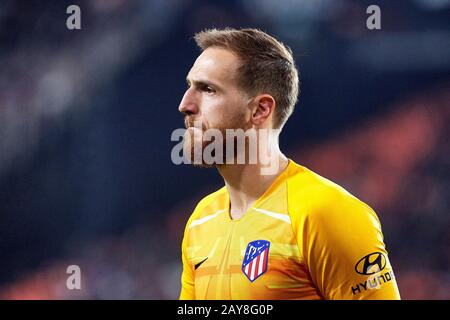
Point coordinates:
[[187, 276], [343, 246]]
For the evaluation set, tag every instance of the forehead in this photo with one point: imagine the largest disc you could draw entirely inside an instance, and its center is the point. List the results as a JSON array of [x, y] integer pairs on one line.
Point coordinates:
[[215, 64]]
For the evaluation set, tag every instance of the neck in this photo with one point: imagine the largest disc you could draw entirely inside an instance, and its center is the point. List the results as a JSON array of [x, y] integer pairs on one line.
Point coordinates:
[[247, 182]]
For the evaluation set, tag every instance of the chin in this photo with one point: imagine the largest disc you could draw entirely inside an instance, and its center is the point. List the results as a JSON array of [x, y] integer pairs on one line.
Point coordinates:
[[192, 158]]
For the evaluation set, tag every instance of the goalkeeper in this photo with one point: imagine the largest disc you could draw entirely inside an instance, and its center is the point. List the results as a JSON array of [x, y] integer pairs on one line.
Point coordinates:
[[283, 233]]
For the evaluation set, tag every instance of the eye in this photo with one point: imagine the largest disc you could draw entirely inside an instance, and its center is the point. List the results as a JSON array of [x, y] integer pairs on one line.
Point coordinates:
[[208, 89]]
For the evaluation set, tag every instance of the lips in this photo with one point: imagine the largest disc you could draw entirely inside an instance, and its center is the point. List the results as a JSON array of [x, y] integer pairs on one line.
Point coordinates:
[[189, 124], [195, 130]]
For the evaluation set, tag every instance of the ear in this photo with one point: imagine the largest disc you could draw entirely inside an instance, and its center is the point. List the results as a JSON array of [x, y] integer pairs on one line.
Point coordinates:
[[264, 106]]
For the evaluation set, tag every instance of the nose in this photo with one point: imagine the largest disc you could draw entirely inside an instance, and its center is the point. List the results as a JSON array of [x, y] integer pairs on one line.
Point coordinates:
[[189, 103]]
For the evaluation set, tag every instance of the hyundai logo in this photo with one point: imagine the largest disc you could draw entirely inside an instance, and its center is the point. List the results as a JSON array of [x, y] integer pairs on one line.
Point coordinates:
[[370, 264]]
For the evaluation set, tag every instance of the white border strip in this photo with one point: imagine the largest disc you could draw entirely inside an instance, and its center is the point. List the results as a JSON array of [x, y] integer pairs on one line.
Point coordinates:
[[204, 219], [279, 216]]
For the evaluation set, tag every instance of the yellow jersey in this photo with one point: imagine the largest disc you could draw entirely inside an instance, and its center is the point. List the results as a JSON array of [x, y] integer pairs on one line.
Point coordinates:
[[304, 238]]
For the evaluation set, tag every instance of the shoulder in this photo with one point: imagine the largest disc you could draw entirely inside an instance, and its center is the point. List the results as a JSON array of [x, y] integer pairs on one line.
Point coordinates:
[[312, 196], [211, 204], [311, 188]]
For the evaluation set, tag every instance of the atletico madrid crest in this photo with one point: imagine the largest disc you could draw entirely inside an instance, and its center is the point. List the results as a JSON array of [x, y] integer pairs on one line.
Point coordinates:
[[255, 259]]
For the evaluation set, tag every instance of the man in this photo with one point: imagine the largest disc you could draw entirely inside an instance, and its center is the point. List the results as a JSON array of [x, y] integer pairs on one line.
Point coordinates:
[[290, 234]]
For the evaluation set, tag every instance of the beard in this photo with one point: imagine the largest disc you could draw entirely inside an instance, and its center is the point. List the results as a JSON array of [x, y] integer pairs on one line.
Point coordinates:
[[195, 143]]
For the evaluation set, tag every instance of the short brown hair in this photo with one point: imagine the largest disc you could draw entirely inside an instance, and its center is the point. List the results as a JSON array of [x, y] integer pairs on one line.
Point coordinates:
[[268, 65]]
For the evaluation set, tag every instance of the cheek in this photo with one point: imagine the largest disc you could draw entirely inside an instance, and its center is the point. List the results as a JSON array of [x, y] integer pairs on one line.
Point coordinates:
[[225, 113], [235, 112], [238, 113], [214, 111]]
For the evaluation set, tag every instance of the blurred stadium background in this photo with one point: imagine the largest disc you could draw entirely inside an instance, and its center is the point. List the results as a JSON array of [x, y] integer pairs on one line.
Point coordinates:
[[86, 118]]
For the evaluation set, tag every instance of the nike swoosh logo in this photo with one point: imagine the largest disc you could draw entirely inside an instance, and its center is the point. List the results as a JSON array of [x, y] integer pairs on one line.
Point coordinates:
[[200, 263]]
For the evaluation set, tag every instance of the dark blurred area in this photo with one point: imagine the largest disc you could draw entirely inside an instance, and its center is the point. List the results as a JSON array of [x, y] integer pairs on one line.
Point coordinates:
[[86, 117]]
